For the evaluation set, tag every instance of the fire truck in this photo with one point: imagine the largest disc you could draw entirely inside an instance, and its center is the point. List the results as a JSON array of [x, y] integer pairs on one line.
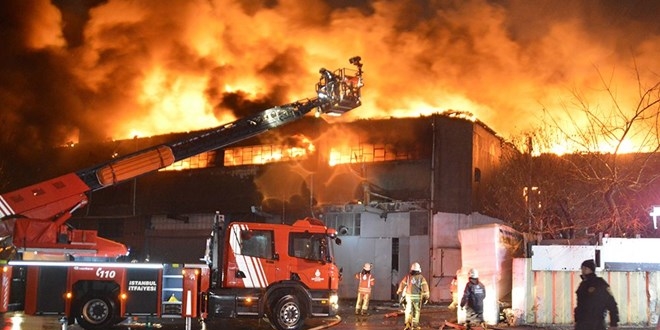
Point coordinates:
[[283, 272]]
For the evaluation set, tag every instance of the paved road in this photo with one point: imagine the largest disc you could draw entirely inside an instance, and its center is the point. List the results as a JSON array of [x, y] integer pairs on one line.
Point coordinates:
[[433, 317], [19, 321]]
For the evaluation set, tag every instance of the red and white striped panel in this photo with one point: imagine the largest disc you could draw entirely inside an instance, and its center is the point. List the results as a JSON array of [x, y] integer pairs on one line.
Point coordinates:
[[255, 277]]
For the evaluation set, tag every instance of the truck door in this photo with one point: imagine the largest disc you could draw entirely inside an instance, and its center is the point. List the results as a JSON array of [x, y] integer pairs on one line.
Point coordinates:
[[310, 258], [253, 260]]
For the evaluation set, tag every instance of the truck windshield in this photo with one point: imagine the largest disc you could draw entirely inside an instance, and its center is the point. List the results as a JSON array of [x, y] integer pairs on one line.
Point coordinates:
[[310, 246], [252, 242]]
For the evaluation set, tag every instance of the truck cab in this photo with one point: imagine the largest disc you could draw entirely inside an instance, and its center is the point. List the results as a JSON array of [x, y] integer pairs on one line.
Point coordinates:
[[286, 272]]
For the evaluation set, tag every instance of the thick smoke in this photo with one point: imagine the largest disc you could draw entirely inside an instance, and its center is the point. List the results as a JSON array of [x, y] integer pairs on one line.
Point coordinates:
[[86, 69]]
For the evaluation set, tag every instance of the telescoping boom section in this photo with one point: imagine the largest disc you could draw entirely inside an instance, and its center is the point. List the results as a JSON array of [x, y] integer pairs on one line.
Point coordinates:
[[35, 216]]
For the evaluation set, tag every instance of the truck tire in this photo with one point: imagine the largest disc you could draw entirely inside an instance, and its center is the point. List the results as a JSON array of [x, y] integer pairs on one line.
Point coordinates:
[[96, 312], [287, 314]]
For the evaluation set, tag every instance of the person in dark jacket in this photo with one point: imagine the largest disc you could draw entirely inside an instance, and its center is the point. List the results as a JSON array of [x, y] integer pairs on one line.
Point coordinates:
[[473, 298], [594, 298]]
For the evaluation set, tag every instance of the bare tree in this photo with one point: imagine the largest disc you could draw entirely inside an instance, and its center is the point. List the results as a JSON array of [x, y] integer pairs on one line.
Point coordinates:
[[529, 192], [591, 189], [615, 180]]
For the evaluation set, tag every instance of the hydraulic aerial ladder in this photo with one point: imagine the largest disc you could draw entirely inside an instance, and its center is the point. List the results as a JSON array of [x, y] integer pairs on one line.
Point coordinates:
[[35, 216]]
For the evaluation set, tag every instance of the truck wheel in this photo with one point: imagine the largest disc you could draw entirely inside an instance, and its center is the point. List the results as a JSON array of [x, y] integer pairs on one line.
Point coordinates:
[[287, 314], [96, 312]]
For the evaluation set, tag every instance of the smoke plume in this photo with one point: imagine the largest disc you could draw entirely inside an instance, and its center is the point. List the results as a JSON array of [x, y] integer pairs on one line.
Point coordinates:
[[91, 69]]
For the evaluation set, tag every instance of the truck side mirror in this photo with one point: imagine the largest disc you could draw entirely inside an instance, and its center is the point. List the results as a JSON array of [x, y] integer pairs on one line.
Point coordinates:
[[338, 241]]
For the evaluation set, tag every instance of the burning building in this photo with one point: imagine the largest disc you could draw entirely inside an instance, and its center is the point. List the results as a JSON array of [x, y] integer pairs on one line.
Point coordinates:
[[398, 190]]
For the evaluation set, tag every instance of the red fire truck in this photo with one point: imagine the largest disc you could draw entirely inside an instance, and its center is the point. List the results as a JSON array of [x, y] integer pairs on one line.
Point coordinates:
[[284, 272]]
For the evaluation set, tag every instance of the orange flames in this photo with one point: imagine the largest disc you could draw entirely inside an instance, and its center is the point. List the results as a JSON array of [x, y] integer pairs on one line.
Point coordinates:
[[365, 153], [627, 146], [198, 161], [262, 154], [158, 69]]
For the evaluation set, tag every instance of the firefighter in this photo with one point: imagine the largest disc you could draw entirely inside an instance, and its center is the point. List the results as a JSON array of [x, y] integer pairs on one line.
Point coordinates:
[[365, 282], [594, 298], [473, 299], [415, 289]]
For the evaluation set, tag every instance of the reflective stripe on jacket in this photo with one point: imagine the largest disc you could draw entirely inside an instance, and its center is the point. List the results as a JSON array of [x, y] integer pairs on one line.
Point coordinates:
[[366, 282], [414, 286]]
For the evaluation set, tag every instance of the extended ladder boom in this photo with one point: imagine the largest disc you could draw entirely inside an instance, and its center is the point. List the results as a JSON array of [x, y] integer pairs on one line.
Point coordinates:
[[56, 199]]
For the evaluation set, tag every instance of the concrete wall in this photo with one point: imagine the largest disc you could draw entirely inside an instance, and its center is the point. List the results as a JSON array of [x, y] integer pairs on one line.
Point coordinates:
[[374, 245]]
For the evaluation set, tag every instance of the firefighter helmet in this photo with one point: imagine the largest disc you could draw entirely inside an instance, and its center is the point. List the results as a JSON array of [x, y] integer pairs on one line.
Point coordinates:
[[473, 273], [415, 267], [367, 266]]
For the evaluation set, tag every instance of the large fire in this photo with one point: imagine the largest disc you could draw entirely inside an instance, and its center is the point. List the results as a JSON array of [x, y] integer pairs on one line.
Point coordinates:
[[626, 146], [122, 68], [295, 148], [365, 153], [175, 103]]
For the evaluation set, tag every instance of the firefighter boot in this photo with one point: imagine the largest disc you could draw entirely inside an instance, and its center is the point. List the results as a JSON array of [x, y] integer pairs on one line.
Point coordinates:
[[357, 311]]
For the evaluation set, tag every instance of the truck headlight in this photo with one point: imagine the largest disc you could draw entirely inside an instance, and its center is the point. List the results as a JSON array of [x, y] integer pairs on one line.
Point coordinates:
[[334, 301]]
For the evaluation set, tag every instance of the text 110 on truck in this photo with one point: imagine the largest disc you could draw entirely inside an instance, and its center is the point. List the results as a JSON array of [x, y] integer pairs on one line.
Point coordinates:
[[284, 272]]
